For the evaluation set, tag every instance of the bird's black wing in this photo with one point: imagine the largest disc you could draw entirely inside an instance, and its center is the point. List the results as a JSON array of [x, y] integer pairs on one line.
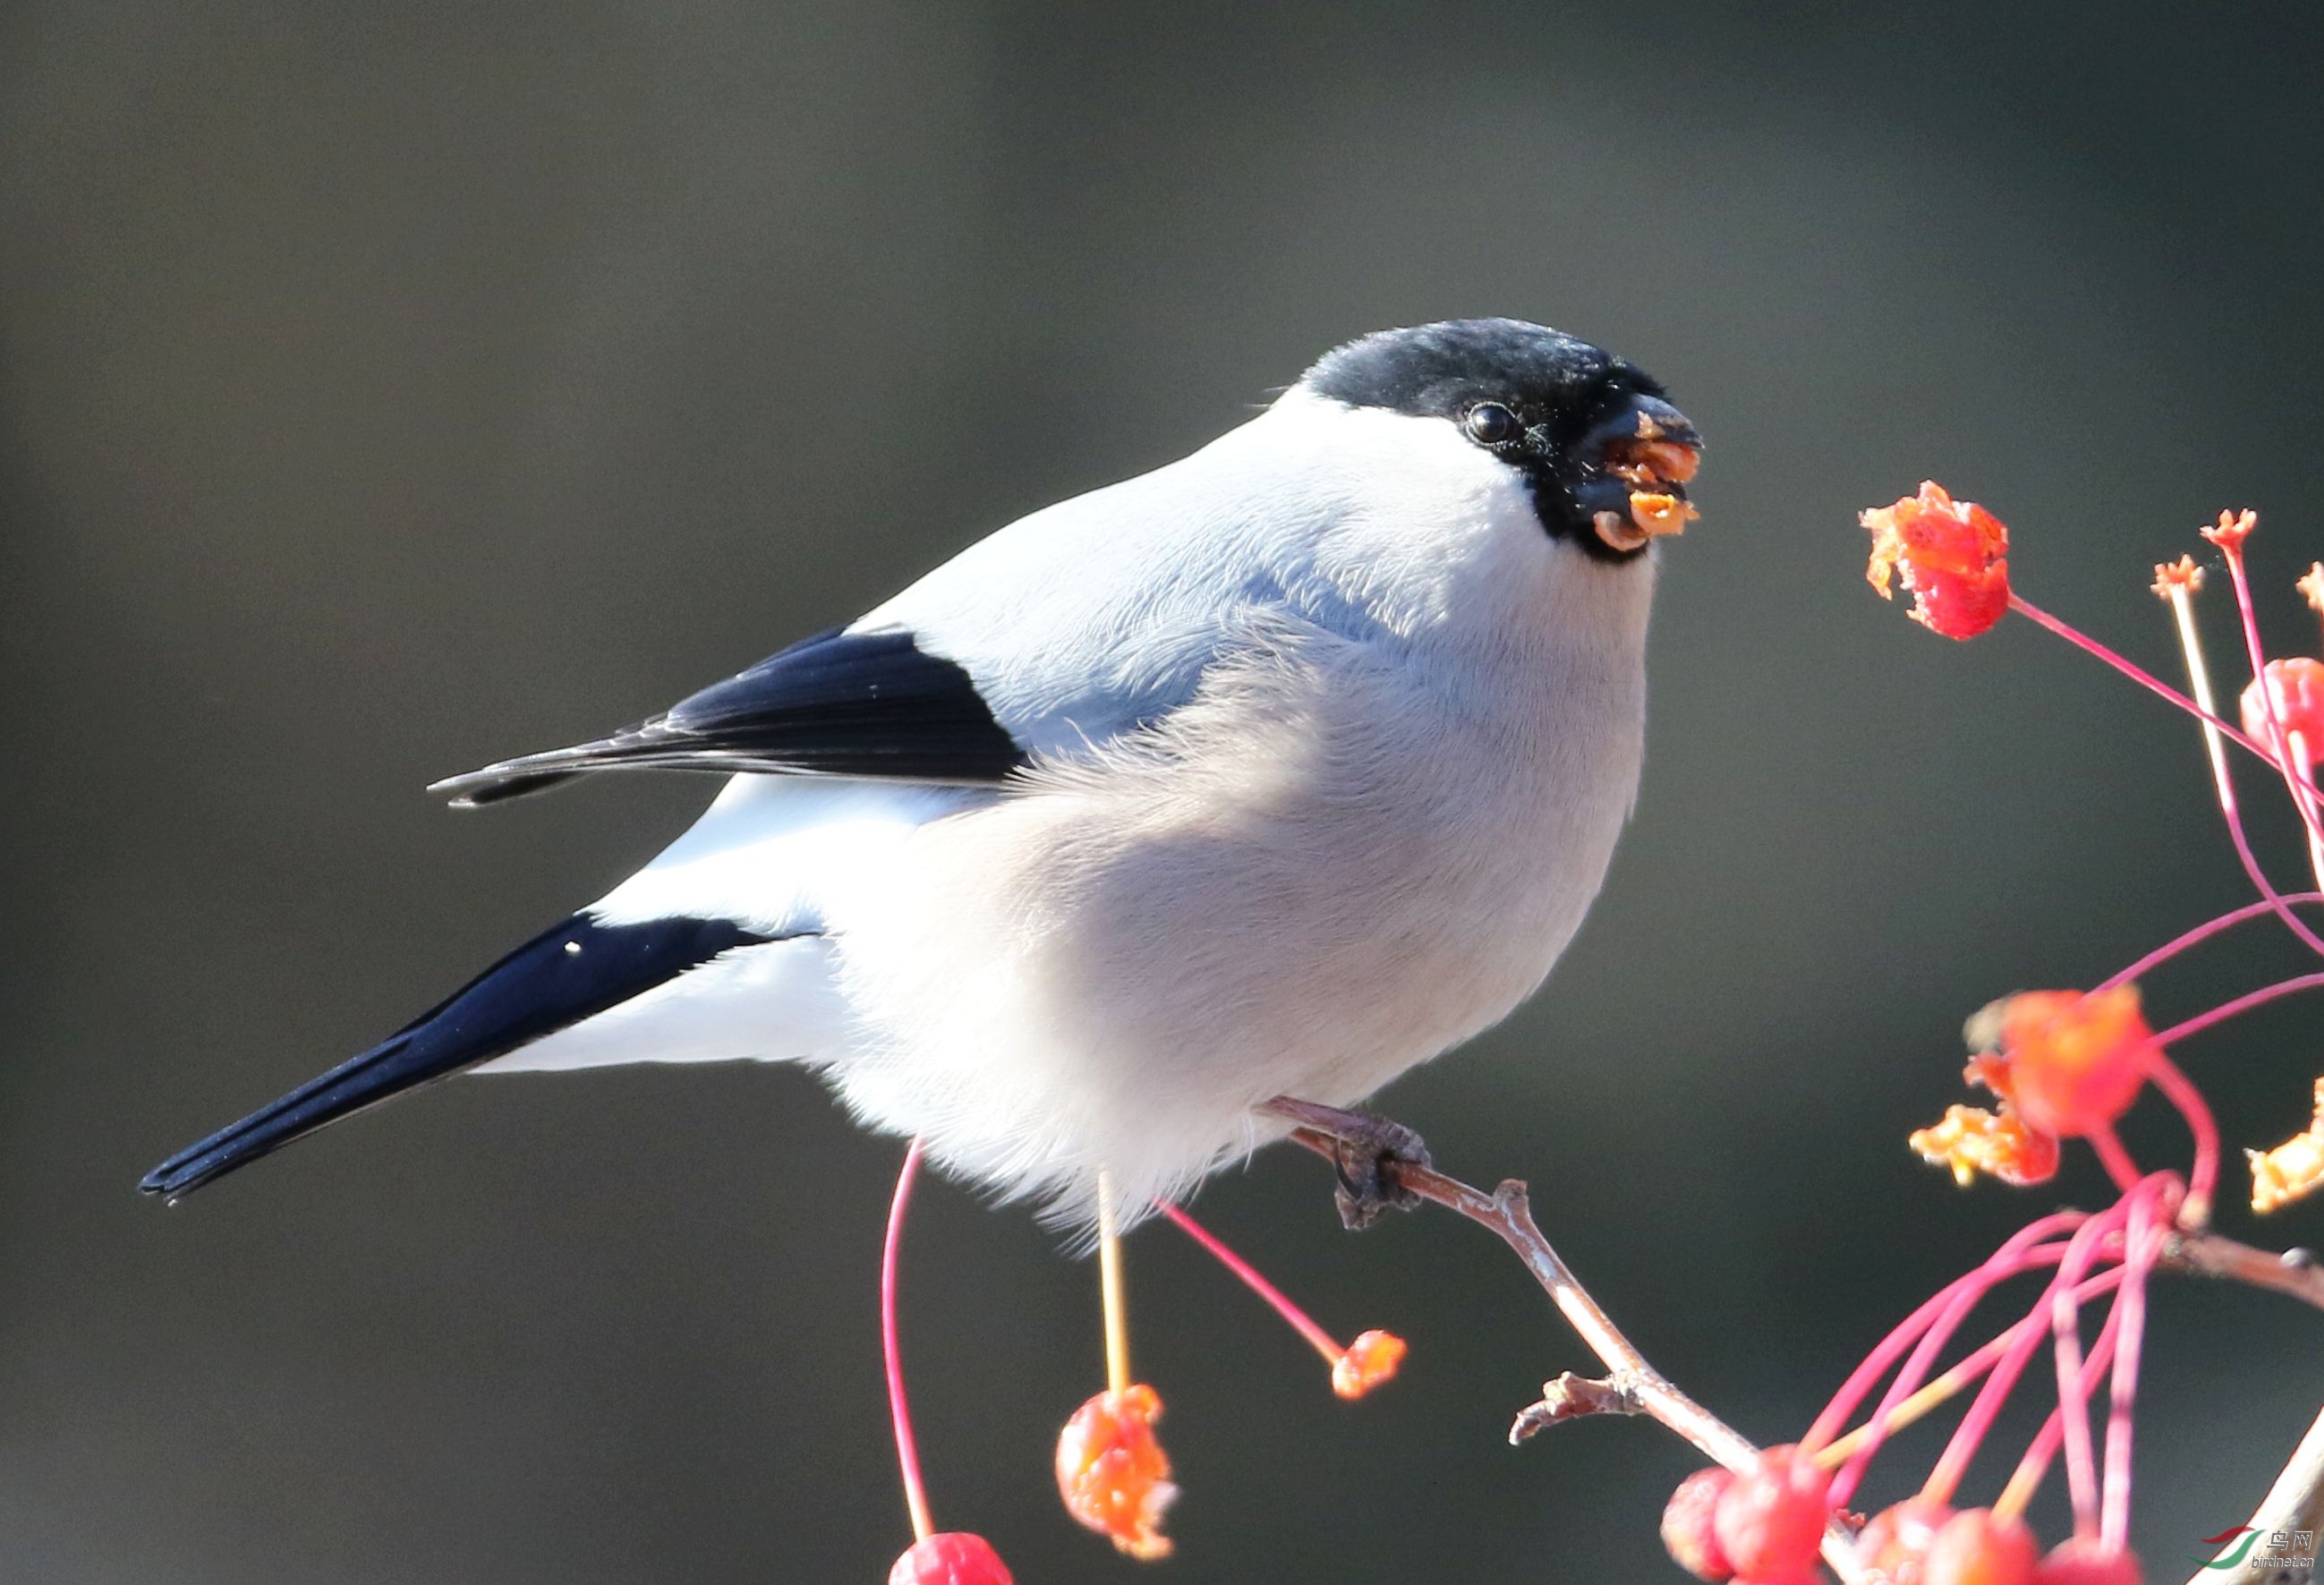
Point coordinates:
[[841, 704]]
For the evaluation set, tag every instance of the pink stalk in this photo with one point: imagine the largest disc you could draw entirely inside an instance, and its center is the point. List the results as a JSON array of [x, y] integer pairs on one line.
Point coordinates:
[[2142, 1245], [1277, 1300], [1908, 1331], [2299, 751], [1963, 1295], [2223, 782], [2013, 1351], [2203, 1174], [2066, 1327], [2224, 787], [2223, 779], [2241, 1004], [2027, 1477], [2140, 676], [2303, 794], [2200, 934], [907, 1450], [2114, 1158]]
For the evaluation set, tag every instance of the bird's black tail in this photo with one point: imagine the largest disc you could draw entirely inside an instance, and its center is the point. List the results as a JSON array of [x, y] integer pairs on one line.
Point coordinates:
[[554, 980]]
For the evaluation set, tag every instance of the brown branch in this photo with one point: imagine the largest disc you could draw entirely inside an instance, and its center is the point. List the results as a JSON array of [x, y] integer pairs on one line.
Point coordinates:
[[1573, 1397], [2294, 1273], [1632, 1385]]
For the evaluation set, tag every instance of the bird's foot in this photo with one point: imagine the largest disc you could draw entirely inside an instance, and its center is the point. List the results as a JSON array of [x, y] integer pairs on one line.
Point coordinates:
[[1368, 1149]]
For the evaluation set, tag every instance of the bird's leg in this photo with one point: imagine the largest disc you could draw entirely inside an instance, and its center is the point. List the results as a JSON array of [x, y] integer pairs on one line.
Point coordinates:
[[1369, 1147]]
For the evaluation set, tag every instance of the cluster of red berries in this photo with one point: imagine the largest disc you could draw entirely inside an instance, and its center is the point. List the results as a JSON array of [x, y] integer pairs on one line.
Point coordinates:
[[2061, 1066], [1766, 1525]]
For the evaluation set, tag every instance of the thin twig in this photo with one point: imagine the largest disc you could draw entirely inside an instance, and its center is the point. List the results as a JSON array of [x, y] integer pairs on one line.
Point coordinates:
[[2294, 1273], [1631, 1378], [1632, 1385]]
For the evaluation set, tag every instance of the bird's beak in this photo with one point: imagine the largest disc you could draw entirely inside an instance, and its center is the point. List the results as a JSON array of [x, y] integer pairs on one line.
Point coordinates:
[[1646, 453]]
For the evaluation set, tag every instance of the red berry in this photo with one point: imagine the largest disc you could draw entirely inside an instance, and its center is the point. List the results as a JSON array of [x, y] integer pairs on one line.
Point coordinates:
[[1689, 1522], [1951, 555], [953, 1557], [2298, 685], [1113, 1474], [1770, 1519], [2082, 1561], [1897, 1540], [1981, 1548], [2071, 1063]]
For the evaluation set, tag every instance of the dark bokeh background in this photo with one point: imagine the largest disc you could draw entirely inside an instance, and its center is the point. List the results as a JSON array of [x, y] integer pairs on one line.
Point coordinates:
[[386, 391]]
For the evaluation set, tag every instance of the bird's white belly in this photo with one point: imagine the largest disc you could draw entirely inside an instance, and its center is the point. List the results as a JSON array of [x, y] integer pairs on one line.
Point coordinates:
[[1310, 879]]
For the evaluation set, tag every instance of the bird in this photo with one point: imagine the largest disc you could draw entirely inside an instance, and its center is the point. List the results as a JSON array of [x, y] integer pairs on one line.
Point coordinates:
[[1274, 771]]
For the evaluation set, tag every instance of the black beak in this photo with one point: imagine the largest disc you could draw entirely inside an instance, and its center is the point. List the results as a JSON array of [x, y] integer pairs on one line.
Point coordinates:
[[1642, 418]]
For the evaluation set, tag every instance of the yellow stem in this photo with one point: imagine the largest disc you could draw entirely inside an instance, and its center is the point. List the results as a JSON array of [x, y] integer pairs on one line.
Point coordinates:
[[1109, 1290], [2020, 1491], [2199, 678], [1945, 1386]]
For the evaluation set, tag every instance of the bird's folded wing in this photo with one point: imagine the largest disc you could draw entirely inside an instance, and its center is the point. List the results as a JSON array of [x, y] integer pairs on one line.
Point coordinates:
[[846, 703], [1063, 632]]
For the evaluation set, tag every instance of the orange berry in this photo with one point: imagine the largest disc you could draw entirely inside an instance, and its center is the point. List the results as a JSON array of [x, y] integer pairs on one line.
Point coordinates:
[[1112, 1473], [1770, 1518], [1369, 1361], [953, 1557], [1972, 1140], [1898, 1539], [1979, 1547], [1689, 1525], [1951, 557], [2082, 1561]]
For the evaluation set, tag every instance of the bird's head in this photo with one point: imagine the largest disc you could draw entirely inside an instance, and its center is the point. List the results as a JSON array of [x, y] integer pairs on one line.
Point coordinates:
[[1607, 457]]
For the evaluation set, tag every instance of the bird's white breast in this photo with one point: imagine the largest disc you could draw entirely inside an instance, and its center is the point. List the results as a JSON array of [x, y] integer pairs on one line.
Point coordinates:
[[1350, 851]]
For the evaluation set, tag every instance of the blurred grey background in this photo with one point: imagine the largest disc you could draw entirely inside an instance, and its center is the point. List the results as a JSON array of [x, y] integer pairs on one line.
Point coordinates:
[[384, 390]]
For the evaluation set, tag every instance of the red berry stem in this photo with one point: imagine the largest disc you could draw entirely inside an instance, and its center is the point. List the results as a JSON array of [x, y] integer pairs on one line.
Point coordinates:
[[2114, 1156], [2074, 1391], [2241, 1004], [1277, 1300], [2027, 1478], [2198, 935], [899, 1413], [2141, 1247], [2141, 676], [2014, 1348], [1891, 1348], [2224, 782], [2015, 1257], [2203, 1174], [2303, 795]]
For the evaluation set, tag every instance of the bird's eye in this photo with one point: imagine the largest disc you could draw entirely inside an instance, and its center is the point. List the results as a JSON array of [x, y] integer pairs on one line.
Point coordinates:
[[1489, 423]]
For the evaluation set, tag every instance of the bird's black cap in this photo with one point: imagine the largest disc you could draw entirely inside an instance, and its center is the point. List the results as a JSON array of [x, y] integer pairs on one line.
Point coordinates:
[[1439, 370], [1573, 404]]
